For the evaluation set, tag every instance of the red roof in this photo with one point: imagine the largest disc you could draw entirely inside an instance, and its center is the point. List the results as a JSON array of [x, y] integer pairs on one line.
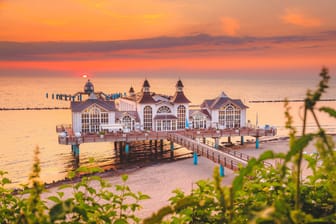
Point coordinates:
[[146, 98], [179, 97]]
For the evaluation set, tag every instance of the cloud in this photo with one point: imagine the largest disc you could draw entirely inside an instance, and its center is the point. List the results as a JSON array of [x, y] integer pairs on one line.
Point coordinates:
[[157, 47], [230, 26], [299, 19]]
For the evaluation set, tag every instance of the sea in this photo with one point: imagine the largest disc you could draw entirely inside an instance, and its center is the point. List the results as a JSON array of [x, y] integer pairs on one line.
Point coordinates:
[[22, 131]]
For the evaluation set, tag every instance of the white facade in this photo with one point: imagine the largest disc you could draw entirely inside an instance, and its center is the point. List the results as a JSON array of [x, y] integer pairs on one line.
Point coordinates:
[[156, 112]]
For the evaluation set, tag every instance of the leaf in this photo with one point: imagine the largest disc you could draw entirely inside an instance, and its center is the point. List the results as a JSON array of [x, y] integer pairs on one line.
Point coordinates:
[[60, 194], [329, 110], [57, 212], [54, 199], [298, 145], [64, 186], [124, 177]]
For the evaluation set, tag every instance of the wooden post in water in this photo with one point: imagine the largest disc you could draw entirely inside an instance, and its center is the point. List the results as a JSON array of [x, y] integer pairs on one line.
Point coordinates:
[[155, 148], [216, 143], [161, 147], [121, 153]]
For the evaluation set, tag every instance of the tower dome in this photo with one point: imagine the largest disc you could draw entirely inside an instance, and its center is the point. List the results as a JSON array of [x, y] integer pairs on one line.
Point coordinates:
[[88, 88]]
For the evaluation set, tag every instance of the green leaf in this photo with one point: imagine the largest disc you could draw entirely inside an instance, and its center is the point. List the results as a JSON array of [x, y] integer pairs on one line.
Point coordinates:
[[64, 186], [124, 177], [57, 212], [329, 110], [54, 199], [298, 145]]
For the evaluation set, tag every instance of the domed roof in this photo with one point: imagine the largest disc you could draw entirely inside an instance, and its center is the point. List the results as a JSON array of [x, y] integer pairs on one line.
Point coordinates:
[[88, 88]]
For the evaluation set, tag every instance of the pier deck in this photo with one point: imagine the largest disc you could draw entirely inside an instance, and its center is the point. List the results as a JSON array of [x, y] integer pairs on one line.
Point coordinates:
[[71, 139]]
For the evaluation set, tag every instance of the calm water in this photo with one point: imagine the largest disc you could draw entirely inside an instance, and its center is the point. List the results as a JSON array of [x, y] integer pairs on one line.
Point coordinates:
[[22, 131]]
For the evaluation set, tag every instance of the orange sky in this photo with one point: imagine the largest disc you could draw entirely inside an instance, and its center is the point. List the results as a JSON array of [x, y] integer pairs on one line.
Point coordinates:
[[178, 35]]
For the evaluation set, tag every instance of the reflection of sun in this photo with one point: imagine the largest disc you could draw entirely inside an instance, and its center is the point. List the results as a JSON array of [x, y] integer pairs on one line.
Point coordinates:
[[84, 76]]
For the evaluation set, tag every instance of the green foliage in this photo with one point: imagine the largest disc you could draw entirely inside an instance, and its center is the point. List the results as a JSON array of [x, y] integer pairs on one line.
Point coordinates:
[[93, 200], [262, 194]]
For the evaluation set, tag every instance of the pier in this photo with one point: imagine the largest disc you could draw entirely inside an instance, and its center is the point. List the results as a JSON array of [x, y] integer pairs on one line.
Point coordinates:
[[193, 140], [139, 122]]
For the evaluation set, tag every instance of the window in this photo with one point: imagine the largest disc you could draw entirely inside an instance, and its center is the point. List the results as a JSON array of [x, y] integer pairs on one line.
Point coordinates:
[[127, 122], [92, 117], [164, 110], [181, 117], [147, 117], [229, 117], [199, 121]]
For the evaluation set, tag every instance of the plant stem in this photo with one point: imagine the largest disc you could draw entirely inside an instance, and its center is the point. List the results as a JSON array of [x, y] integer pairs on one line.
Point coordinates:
[[298, 177]]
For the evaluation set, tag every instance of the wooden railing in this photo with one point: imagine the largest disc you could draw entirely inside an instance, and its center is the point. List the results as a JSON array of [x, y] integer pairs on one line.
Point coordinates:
[[204, 150]]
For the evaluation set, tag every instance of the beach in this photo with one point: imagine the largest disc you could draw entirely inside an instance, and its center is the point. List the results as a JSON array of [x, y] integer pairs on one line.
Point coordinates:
[[159, 180]]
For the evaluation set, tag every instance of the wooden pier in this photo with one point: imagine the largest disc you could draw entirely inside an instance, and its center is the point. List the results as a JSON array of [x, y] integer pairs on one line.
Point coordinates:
[[192, 139], [71, 139]]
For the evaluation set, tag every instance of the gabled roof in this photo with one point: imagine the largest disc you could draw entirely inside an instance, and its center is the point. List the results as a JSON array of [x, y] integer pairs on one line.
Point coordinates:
[[179, 97], [222, 100], [203, 111], [80, 106], [134, 114], [207, 103], [146, 98]]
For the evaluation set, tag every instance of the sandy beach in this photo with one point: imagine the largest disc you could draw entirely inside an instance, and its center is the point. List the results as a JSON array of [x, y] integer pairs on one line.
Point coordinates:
[[159, 180]]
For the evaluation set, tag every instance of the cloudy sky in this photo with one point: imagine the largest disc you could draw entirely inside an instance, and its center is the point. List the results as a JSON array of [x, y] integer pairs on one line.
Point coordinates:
[[110, 37]]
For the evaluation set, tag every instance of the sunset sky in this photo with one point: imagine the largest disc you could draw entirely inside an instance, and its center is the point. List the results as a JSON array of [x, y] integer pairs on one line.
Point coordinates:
[[160, 37]]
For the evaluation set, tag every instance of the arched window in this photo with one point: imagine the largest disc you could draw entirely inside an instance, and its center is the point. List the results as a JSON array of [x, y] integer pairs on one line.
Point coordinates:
[[148, 118], [92, 117], [229, 117], [230, 111], [127, 122], [181, 117], [164, 110], [199, 121]]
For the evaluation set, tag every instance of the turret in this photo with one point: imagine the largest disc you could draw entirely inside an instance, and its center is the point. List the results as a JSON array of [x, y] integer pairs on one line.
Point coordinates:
[[145, 86], [88, 88]]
